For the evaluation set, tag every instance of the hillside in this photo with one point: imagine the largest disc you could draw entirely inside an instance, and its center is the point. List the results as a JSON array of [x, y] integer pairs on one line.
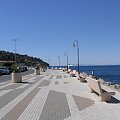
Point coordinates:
[[28, 60]]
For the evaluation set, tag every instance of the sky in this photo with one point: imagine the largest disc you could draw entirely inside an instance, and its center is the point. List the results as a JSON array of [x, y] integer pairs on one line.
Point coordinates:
[[48, 28]]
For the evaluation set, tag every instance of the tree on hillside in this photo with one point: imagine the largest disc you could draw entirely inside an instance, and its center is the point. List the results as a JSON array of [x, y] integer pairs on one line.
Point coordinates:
[[28, 60]]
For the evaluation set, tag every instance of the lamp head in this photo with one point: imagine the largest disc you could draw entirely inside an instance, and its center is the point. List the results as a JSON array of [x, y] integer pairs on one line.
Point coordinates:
[[73, 44]]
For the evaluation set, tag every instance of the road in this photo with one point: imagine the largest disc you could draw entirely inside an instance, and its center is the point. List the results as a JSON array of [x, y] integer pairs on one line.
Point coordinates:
[[4, 78]]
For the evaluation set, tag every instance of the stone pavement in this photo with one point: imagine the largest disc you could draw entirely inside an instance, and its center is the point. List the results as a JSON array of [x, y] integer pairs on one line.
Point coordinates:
[[54, 95]]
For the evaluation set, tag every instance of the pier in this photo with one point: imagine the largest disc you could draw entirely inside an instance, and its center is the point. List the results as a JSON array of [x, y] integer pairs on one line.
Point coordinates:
[[54, 95]]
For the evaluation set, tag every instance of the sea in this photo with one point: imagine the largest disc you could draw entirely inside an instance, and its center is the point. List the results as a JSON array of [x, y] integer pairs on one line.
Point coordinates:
[[109, 73]]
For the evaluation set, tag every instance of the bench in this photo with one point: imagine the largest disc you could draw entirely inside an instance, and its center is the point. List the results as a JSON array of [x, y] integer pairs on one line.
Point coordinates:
[[69, 70], [95, 87], [82, 77], [73, 73]]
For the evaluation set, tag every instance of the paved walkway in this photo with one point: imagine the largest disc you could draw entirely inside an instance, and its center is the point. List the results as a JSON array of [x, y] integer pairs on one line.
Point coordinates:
[[54, 95]]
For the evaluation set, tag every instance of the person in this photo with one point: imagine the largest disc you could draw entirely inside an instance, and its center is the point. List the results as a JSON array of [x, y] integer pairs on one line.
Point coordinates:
[[92, 72]]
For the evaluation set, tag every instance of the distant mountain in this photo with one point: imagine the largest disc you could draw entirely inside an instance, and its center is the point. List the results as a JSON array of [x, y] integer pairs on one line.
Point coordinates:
[[28, 60]]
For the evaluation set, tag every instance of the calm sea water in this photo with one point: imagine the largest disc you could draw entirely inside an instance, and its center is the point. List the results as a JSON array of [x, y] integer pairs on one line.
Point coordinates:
[[109, 73]]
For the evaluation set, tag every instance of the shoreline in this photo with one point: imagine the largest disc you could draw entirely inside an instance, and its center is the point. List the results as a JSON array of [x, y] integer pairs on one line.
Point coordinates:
[[105, 83], [109, 73]]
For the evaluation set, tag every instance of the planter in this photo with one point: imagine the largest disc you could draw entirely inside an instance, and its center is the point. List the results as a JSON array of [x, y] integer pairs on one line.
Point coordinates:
[[16, 77], [37, 72], [40, 69], [44, 69]]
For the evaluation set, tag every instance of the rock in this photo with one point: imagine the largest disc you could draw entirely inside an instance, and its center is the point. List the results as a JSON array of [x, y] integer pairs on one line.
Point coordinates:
[[108, 83], [116, 86], [102, 81]]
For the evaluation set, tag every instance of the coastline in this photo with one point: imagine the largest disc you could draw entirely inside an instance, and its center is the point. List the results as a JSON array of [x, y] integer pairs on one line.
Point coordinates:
[[105, 83], [109, 73], [99, 72]]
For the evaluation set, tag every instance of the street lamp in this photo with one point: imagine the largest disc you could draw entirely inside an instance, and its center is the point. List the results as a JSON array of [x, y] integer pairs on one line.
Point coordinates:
[[77, 52], [66, 54], [59, 60], [15, 40]]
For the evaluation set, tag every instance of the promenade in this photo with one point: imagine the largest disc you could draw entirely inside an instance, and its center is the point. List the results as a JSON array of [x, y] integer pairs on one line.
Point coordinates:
[[54, 95]]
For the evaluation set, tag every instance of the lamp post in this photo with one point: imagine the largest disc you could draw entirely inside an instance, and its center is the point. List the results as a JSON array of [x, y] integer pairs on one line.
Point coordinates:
[[77, 52], [59, 60], [15, 40], [66, 54]]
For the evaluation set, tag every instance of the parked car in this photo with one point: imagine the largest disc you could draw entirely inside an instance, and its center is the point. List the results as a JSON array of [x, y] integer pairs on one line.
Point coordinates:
[[7, 71], [23, 68], [4, 71], [0, 73]]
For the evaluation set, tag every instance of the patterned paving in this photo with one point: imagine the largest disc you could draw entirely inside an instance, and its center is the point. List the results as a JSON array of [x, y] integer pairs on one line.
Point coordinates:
[[56, 107], [59, 77], [13, 91], [44, 83], [6, 98], [50, 97], [82, 102], [3, 83], [66, 82], [19, 108], [65, 76], [51, 77], [12, 86], [56, 82]]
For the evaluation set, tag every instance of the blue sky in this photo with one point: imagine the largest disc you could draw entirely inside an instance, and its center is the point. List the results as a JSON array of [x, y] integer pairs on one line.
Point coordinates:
[[47, 28]]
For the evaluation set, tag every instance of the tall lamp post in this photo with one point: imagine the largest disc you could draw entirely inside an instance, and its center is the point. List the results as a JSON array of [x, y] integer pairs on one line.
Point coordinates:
[[66, 54], [59, 60], [77, 51], [15, 40]]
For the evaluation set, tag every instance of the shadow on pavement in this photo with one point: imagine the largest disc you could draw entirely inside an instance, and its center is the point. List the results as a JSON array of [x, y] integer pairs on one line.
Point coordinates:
[[114, 100]]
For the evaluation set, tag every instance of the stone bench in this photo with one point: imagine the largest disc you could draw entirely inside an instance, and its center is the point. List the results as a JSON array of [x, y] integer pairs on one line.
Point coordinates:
[[95, 87], [69, 70], [82, 77], [73, 73]]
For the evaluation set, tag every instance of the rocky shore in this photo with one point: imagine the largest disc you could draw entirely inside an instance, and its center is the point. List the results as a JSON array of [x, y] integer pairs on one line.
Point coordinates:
[[106, 83]]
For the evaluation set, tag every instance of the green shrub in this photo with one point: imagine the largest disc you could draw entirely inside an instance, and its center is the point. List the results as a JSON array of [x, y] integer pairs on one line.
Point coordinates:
[[15, 68]]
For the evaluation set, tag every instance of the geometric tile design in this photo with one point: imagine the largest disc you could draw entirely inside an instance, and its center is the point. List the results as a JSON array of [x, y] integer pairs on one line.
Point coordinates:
[[20, 107], [51, 76], [61, 99], [13, 86], [6, 98], [56, 82], [56, 107], [66, 82], [59, 77], [2, 83], [4, 92], [44, 83], [82, 102], [65, 76]]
